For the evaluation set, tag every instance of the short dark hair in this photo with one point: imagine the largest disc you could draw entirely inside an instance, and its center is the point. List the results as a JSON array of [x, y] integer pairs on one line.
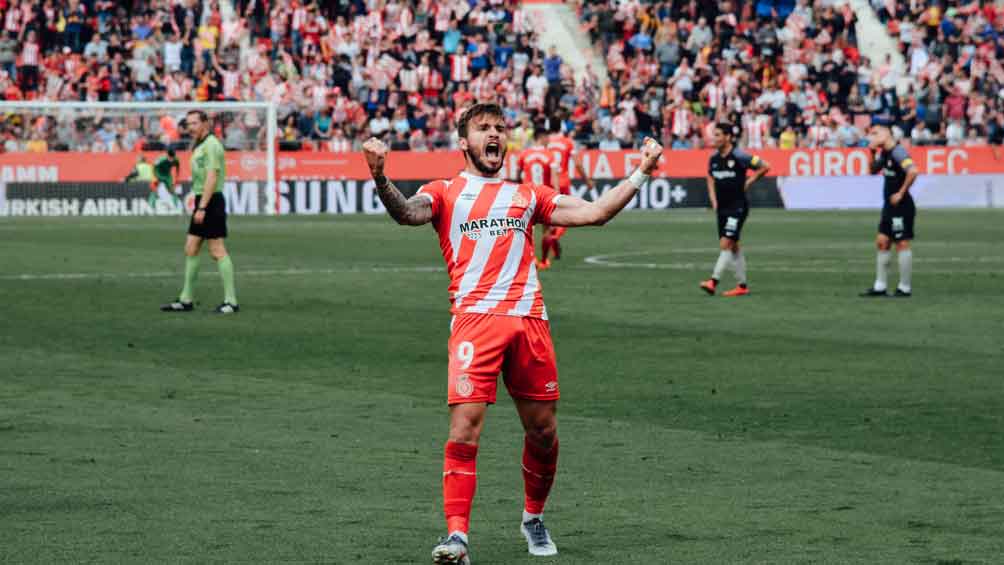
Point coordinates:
[[479, 109], [728, 129], [201, 114], [540, 128]]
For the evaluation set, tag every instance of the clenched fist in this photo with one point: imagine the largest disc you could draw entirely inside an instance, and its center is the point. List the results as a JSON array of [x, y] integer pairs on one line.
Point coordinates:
[[651, 151], [376, 154]]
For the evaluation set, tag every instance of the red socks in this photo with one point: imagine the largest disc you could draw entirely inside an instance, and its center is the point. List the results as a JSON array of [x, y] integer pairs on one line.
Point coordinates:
[[460, 480], [539, 467]]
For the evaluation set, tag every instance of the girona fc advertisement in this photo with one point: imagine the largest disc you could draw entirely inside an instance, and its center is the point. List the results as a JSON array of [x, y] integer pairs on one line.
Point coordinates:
[[405, 165], [88, 184]]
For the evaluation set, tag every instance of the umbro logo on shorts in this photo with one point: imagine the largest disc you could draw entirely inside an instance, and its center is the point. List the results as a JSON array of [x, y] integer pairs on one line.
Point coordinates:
[[551, 386]]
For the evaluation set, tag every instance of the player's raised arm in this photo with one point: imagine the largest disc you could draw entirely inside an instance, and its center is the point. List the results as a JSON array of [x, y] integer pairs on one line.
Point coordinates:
[[573, 211], [414, 211]]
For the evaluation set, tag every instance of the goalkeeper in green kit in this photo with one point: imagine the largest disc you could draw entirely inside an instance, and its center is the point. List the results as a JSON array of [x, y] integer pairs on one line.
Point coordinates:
[[162, 171]]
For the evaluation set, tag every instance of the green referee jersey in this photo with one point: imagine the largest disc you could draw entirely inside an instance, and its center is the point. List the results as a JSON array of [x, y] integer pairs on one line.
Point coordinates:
[[163, 169], [208, 155]]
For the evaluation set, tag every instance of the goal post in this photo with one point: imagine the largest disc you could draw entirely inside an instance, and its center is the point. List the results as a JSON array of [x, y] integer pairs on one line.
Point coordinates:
[[78, 155]]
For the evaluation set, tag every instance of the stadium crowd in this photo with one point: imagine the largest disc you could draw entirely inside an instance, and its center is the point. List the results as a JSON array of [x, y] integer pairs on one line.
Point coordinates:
[[788, 71]]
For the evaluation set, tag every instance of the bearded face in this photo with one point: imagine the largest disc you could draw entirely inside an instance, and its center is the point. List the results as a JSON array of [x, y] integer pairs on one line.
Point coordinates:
[[486, 143]]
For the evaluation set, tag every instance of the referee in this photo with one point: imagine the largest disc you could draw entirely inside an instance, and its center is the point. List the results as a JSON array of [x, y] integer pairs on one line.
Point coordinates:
[[209, 219]]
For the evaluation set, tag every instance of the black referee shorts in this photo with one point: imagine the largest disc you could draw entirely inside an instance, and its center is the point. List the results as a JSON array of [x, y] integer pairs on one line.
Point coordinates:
[[214, 225]]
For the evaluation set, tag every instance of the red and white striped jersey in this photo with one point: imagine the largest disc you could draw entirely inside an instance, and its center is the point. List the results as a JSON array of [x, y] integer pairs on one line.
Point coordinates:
[[433, 81], [715, 96], [442, 17], [757, 130], [404, 22], [12, 22], [232, 84], [819, 135], [29, 54], [339, 145], [482, 89], [460, 68], [521, 21], [485, 228], [682, 121], [299, 18], [408, 79], [279, 20]]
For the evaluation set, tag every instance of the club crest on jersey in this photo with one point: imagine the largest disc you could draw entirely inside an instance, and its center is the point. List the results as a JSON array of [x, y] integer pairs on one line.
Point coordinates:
[[492, 227], [464, 386], [732, 163]]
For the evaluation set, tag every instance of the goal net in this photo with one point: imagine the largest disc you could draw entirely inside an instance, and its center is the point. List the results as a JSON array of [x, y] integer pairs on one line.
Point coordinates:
[[96, 158]]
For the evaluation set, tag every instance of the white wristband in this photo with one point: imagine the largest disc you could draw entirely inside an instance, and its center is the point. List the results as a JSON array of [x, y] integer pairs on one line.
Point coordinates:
[[638, 178]]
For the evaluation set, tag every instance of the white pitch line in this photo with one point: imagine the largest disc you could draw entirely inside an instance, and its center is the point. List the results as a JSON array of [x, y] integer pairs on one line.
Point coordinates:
[[609, 260], [242, 273]]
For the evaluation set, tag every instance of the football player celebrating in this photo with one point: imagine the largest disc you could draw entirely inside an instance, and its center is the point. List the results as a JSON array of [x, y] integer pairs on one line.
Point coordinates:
[[485, 227]]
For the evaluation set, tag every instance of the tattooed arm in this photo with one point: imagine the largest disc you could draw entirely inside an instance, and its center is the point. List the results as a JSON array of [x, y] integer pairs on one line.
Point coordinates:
[[414, 211]]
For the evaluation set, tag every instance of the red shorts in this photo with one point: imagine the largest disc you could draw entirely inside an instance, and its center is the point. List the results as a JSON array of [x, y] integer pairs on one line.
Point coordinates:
[[565, 186], [484, 345], [557, 231]]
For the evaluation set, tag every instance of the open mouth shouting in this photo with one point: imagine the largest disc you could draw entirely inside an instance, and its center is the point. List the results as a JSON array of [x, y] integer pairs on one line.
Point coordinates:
[[493, 151], [491, 159]]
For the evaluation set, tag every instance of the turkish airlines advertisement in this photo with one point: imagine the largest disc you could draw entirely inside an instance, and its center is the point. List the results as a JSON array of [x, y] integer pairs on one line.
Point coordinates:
[[43, 184]]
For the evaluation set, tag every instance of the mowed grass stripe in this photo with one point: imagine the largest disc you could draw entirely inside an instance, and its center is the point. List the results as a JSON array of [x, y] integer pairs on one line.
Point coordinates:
[[800, 426]]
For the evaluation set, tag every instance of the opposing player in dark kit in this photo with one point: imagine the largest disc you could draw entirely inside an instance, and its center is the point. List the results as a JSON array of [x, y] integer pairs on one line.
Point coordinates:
[[898, 211], [728, 182]]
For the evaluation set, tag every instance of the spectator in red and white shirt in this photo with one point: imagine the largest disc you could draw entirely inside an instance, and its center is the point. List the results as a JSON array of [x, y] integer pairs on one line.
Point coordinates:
[[536, 89], [30, 60], [460, 67]]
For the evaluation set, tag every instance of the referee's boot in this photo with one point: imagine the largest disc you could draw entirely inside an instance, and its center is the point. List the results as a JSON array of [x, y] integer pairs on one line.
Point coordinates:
[[177, 306], [227, 308]]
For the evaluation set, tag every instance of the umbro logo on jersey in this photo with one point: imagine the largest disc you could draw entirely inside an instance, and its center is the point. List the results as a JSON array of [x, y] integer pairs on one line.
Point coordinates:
[[519, 202], [723, 174]]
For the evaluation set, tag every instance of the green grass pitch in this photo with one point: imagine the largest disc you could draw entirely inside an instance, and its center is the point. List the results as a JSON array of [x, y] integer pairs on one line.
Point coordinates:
[[801, 424]]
